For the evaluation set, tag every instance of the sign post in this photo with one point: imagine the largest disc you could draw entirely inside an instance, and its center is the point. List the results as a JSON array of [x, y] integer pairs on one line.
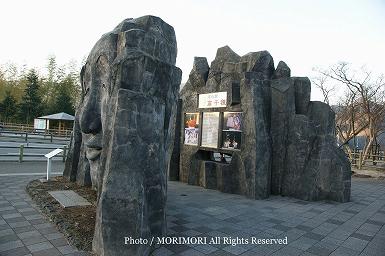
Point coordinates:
[[49, 160]]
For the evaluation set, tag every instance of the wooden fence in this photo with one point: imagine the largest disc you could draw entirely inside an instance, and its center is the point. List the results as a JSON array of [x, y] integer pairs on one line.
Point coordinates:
[[358, 160], [28, 128]]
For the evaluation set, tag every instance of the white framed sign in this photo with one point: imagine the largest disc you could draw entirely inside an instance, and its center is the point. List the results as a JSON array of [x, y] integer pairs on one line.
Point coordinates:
[[40, 124], [210, 129], [212, 100]]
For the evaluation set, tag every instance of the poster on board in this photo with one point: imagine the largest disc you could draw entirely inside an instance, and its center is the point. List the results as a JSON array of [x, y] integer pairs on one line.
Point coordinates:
[[231, 139], [210, 126], [232, 130], [191, 128], [232, 121]]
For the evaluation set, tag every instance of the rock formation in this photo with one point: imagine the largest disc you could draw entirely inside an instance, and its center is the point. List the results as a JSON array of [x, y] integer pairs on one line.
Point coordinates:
[[126, 119], [288, 142], [124, 132]]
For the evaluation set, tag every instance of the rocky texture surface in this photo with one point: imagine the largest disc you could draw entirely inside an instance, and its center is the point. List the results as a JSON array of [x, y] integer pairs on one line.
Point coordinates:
[[127, 119], [288, 142], [72, 160]]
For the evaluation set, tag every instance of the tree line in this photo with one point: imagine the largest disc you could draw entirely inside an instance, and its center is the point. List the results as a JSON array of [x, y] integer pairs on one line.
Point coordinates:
[[26, 94]]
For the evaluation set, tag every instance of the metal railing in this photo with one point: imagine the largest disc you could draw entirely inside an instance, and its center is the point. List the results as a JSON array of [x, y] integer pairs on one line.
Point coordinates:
[[28, 136], [30, 146], [21, 154]]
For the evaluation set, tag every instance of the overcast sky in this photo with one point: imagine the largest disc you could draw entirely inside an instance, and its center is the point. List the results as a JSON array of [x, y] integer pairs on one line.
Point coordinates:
[[303, 33]]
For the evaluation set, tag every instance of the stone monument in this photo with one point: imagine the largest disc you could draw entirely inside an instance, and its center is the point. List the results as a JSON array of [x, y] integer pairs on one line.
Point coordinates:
[[240, 126], [249, 128], [124, 131]]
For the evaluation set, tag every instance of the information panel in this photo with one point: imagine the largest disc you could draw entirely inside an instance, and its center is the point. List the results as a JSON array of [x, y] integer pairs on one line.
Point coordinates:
[[210, 125], [191, 128], [212, 100]]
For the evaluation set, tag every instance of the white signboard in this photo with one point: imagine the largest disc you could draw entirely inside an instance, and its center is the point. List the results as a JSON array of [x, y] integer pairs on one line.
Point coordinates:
[[210, 127], [39, 124], [49, 160], [53, 153], [212, 100]]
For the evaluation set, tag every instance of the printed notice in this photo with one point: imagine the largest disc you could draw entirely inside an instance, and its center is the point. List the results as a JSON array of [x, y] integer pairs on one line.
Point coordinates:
[[210, 125]]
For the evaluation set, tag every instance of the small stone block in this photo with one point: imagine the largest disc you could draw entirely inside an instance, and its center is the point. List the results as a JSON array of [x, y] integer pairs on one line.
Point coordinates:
[[69, 198]]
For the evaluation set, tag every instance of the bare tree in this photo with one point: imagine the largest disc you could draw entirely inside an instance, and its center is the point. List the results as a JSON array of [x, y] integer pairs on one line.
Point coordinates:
[[348, 121], [326, 88], [362, 110]]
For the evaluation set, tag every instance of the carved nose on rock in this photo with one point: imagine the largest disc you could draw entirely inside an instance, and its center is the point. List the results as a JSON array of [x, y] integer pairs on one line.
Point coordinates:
[[90, 119]]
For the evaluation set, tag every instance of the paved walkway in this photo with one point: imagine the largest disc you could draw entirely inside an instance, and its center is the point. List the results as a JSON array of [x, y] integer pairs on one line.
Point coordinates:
[[312, 228], [23, 229], [31, 168]]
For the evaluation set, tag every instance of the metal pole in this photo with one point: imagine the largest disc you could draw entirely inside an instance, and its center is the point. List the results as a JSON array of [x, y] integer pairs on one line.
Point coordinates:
[[21, 152], [360, 161], [48, 167]]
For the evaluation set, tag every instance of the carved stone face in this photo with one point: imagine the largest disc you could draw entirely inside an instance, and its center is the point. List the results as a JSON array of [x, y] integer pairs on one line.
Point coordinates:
[[130, 86], [96, 82]]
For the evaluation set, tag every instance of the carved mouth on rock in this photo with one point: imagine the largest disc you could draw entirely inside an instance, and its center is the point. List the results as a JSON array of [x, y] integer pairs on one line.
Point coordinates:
[[93, 153], [94, 147]]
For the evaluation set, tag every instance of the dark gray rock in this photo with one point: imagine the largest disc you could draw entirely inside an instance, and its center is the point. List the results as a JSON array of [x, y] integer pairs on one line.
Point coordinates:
[[72, 160], [316, 168], [200, 71], [288, 142], [282, 71], [302, 94], [149, 35], [260, 62], [247, 173], [173, 171], [127, 120], [256, 154], [224, 54], [201, 67], [83, 174], [323, 118], [296, 181], [77, 167], [282, 115]]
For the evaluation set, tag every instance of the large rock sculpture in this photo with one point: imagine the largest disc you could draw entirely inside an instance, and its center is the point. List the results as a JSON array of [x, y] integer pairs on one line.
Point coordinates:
[[126, 119], [288, 142]]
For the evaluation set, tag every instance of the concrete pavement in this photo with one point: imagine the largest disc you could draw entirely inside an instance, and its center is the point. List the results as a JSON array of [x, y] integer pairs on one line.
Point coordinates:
[[23, 229], [29, 168], [311, 228]]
